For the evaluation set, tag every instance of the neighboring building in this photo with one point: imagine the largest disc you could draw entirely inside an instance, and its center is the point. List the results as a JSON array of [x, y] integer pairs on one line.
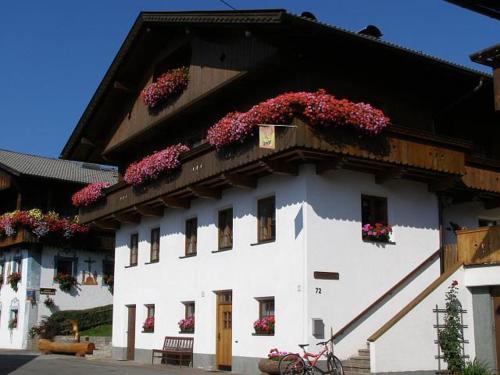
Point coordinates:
[[243, 232], [35, 247]]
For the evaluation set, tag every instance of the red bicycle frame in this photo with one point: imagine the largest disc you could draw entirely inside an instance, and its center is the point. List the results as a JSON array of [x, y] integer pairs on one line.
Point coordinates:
[[315, 357]]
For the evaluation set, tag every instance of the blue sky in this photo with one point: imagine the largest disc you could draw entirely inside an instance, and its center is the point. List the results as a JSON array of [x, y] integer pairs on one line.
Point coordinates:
[[54, 53]]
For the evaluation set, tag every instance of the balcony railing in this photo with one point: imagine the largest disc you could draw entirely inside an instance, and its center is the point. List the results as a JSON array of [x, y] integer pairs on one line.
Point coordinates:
[[21, 236], [474, 247]]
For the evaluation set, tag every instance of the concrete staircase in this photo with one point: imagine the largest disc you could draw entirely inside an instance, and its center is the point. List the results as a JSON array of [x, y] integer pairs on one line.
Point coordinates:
[[359, 364]]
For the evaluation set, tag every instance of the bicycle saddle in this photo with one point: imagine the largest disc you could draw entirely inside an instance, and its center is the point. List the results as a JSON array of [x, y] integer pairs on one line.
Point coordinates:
[[303, 345]]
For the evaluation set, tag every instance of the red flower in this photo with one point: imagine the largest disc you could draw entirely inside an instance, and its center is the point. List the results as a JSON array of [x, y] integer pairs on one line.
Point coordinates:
[[89, 194], [168, 84]]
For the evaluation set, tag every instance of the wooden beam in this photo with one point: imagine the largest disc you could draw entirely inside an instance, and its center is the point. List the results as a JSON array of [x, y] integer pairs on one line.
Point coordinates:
[[174, 202], [123, 87], [389, 174], [329, 165], [207, 193], [241, 181], [149, 211], [127, 218], [279, 167], [87, 142], [107, 224], [445, 183]]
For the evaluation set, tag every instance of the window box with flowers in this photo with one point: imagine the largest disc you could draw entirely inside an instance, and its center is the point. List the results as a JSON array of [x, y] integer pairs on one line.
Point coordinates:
[[90, 194], [187, 325], [65, 281], [264, 326], [149, 324], [168, 85], [377, 232], [13, 279]]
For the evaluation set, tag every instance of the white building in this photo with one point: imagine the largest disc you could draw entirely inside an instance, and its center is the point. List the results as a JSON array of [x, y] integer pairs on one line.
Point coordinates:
[[47, 184], [242, 233]]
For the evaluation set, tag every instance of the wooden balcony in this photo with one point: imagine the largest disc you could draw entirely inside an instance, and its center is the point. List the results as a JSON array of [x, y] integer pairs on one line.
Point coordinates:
[[206, 172], [474, 247], [21, 236]]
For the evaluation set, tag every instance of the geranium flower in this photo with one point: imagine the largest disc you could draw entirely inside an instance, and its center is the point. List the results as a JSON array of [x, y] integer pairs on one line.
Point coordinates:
[[167, 85], [89, 194]]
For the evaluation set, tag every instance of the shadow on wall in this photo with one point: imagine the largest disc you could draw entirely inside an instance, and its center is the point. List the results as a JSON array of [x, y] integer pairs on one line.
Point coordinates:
[[10, 362]]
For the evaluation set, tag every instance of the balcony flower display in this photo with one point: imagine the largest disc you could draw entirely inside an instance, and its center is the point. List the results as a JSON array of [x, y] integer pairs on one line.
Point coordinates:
[[40, 224], [89, 194], [265, 325], [316, 108], [169, 84], [13, 279], [187, 325], [65, 281], [376, 232], [149, 324], [152, 166]]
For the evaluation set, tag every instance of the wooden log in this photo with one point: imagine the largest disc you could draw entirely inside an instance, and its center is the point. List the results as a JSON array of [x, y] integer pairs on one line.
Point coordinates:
[[77, 348]]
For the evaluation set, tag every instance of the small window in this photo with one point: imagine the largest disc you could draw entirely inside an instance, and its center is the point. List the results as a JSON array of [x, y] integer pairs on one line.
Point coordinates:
[[488, 223], [375, 224], [155, 245], [191, 236], [134, 249], [266, 307], [266, 322], [186, 325], [226, 229], [149, 323], [266, 213], [64, 266]]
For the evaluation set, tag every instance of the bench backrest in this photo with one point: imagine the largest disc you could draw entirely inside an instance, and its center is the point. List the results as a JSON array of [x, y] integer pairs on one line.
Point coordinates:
[[181, 344]]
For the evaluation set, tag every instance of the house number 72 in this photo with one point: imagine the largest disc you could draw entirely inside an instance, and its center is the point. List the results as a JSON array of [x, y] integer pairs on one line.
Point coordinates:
[[318, 290]]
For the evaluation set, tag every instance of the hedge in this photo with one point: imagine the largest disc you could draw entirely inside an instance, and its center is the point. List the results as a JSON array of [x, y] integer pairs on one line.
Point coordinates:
[[87, 319]]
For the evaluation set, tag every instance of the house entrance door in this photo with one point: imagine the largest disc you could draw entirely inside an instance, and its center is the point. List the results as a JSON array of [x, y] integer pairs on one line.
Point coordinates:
[[131, 333], [224, 330]]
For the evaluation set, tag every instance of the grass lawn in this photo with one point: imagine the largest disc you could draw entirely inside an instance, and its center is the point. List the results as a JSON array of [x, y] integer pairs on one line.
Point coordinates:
[[104, 330]]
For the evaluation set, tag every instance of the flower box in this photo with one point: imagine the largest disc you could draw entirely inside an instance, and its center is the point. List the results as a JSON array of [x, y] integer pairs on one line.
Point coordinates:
[[89, 194], [13, 279], [66, 282], [149, 325], [187, 325], [169, 84], [376, 232], [264, 326]]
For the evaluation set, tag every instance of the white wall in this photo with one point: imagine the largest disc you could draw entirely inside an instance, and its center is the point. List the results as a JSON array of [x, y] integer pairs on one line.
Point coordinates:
[[409, 344], [367, 269], [14, 338], [466, 215], [273, 269]]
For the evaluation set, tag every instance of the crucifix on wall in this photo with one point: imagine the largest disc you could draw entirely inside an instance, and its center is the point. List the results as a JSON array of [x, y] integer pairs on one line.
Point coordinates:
[[89, 277]]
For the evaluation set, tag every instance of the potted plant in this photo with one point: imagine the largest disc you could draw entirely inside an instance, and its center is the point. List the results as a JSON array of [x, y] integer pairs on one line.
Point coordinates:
[[13, 323], [66, 282], [376, 232], [13, 279], [264, 326], [169, 84], [149, 325], [187, 325], [49, 302], [270, 365]]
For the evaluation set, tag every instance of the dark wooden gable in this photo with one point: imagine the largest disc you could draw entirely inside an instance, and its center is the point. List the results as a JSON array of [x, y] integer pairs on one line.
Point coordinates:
[[214, 62]]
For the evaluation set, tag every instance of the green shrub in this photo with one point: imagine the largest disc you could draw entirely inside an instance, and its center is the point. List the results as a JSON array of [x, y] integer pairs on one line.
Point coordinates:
[[87, 319], [476, 368]]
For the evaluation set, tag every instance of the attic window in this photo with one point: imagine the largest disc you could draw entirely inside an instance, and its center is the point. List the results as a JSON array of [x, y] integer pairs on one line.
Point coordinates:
[[180, 57]]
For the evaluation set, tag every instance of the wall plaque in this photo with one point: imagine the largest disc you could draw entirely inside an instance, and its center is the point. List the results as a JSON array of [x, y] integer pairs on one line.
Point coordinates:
[[326, 275], [48, 291]]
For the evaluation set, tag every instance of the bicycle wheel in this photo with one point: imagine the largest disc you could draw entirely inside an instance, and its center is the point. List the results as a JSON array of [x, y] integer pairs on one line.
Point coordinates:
[[291, 364], [334, 365]]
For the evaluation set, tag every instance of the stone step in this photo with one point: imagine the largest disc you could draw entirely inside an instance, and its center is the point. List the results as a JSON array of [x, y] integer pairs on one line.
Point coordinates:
[[350, 370], [364, 352], [361, 360], [353, 373]]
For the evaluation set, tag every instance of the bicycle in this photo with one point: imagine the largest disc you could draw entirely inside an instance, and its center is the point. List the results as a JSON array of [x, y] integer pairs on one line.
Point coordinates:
[[295, 364]]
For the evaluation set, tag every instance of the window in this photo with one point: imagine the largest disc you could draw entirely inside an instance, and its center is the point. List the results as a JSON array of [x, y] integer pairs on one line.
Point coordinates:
[[191, 236], [108, 273], [226, 229], [266, 322], [64, 266], [134, 249], [373, 210], [155, 245], [266, 213], [488, 223], [186, 325], [149, 323], [266, 307]]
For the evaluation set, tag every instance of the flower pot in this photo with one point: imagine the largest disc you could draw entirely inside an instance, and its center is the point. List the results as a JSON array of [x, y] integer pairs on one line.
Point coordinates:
[[269, 366]]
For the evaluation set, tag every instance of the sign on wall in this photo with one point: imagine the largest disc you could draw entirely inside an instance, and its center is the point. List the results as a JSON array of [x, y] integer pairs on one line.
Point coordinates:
[[47, 291], [267, 137]]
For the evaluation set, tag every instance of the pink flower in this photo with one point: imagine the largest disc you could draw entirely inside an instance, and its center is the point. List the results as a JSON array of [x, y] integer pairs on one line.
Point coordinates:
[[454, 283], [152, 166], [89, 194], [167, 85], [317, 108]]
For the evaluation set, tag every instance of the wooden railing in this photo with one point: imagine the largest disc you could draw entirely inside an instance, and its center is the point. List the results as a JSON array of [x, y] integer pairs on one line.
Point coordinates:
[[21, 236], [478, 246]]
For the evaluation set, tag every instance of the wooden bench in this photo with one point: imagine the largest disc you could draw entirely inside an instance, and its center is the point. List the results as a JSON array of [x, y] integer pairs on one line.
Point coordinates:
[[179, 348]]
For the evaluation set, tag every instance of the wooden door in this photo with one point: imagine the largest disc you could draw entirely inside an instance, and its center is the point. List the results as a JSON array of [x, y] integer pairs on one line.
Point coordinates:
[[131, 333], [496, 317], [224, 331]]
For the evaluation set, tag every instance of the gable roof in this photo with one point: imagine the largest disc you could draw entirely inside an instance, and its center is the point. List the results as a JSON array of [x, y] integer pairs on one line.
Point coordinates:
[[64, 170], [275, 18]]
